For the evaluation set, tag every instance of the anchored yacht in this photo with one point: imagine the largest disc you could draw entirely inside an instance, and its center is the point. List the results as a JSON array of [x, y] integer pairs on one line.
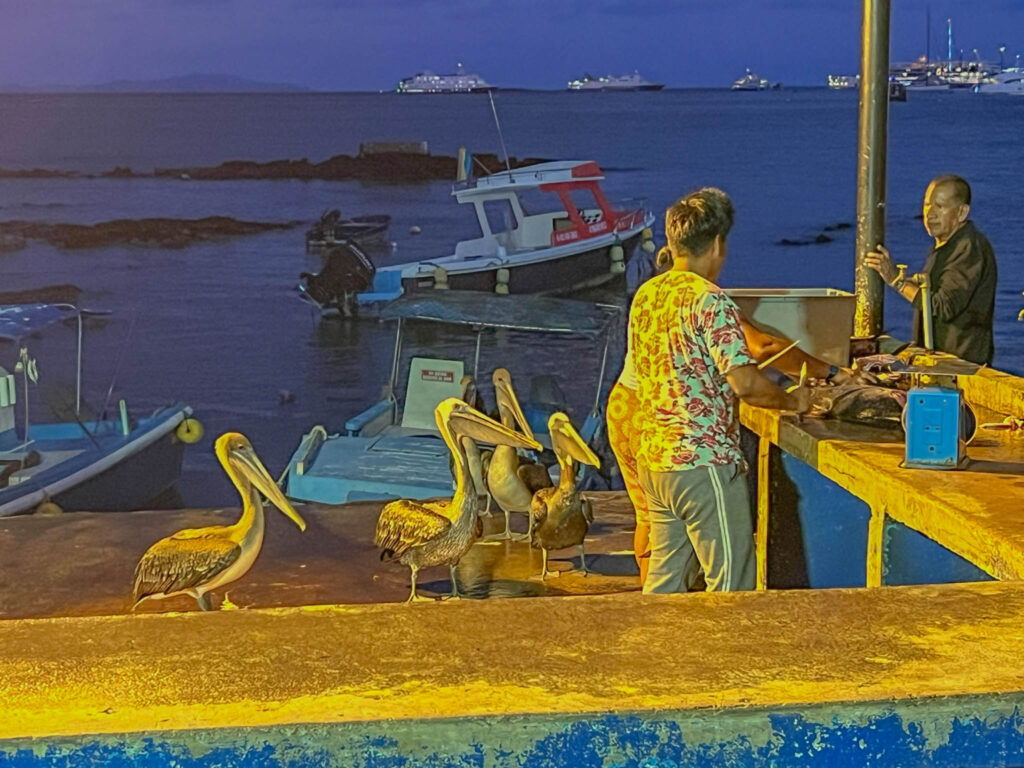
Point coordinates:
[[633, 82]]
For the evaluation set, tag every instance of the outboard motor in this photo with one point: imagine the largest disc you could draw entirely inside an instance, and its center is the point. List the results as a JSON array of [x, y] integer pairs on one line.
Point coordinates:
[[346, 272]]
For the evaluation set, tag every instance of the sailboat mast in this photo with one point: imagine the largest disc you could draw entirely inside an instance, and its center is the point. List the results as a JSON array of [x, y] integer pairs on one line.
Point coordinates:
[[949, 43], [928, 36]]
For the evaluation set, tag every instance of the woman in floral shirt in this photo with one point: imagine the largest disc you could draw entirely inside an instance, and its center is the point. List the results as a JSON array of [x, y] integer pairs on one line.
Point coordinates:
[[692, 363]]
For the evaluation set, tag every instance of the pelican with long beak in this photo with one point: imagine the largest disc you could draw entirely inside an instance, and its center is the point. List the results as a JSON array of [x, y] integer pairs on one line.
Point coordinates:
[[421, 534], [196, 561], [510, 482], [560, 517], [477, 458]]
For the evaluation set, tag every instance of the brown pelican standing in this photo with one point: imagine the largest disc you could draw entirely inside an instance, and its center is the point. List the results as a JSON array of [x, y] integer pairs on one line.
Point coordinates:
[[560, 517], [425, 533], [197, 560], [510, 482]]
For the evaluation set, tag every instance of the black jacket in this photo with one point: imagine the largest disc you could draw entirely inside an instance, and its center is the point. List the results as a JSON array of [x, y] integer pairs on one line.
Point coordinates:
[[962, 274]]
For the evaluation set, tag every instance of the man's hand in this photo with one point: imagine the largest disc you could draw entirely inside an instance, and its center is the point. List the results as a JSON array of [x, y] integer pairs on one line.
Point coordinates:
[[850, 376], [801, 399], [880, 261]]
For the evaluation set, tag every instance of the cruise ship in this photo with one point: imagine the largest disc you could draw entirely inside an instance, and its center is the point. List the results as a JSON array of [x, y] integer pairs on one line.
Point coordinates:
[[458, 82], [753, 82], [633, 82]]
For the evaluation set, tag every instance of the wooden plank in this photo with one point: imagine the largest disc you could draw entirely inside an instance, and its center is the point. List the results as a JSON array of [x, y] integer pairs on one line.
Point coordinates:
[[764, 447], [876, 535]]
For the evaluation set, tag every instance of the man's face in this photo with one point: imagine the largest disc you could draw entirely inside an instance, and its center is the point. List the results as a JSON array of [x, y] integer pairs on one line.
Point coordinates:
[[943, 213]]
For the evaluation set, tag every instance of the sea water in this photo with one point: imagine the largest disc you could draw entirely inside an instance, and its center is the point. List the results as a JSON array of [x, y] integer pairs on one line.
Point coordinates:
[[218, 325]]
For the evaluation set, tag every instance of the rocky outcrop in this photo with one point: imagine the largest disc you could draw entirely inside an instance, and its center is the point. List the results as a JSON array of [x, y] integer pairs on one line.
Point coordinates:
[[154, 233], [384, 166], [36, 173]]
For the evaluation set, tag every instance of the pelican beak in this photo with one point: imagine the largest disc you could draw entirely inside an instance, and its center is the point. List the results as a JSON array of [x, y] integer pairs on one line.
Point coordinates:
[[506, 396], [568, 440], [469, 422], [248, 464]]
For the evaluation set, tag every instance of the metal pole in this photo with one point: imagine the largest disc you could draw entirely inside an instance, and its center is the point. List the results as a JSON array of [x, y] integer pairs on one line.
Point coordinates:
[[476, 357], [871, 150], [393, 381], [78, 370]]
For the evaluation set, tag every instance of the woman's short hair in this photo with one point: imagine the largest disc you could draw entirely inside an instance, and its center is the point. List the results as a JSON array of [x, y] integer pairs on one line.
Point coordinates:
[[693, 222]]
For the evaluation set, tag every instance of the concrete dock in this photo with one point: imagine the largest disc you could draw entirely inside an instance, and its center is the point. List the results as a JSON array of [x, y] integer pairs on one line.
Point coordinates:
[[81, 564], [914, 676]]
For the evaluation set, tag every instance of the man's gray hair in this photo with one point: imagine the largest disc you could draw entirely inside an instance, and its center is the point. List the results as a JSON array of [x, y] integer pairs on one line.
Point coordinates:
[[693, 222], [961, 189]]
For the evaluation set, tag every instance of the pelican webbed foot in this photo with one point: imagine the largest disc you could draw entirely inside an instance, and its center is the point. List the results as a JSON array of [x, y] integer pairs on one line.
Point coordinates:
[[413, 597], [227, 605], [583, 562], [454, 594], [544, 571]]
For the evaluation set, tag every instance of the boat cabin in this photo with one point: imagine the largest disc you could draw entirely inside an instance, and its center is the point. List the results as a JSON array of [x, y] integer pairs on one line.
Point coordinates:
[[513, 217]]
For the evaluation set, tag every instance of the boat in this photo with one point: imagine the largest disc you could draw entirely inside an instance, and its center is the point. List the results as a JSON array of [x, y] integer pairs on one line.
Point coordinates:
[[330, 229], [897, 92], [753, 82], [633, 82], [843, 82], [106, 464], [393, 448], [547, 244], [459, 81], [1009, 81]]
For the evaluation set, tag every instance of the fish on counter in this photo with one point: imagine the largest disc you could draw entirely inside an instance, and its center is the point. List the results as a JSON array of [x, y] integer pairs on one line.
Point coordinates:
[[858, 403]]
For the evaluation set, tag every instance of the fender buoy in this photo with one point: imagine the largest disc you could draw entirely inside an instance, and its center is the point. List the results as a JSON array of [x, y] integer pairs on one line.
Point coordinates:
[[648, 246], [618, 265], [440, 278], [501, 286], [647, 234], [189, 431]]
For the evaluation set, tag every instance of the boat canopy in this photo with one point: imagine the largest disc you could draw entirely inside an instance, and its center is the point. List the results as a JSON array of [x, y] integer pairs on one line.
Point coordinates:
[[556, 172], [525, 312], [19, 320]]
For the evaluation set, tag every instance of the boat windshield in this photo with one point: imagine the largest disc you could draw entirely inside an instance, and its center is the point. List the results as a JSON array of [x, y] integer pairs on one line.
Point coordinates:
[[500, 216]]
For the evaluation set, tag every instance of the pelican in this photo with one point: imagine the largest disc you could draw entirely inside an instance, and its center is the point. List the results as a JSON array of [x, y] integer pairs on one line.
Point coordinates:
[[477, 459], [197, 560], [420, 534], [510, 483], [560, 517]]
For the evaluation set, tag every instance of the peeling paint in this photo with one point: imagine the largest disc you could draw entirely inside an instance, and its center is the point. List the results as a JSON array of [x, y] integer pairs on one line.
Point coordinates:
[[797, 740]]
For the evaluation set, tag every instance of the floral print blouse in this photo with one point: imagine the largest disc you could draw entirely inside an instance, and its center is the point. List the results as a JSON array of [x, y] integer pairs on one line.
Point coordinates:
[[685, 335]]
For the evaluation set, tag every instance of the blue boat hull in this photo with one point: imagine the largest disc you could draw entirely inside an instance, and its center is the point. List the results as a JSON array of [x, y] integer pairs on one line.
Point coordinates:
[[132, 483], [95, 466]]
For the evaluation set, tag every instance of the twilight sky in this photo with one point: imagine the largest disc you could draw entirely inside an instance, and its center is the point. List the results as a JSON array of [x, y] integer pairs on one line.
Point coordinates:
[[370, 44]]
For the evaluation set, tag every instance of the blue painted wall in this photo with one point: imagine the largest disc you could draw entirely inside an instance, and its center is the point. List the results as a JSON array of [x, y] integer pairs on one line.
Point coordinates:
[[887, 740]]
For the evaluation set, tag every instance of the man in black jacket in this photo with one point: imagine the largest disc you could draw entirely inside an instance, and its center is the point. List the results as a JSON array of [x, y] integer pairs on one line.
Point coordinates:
[[961, 270]]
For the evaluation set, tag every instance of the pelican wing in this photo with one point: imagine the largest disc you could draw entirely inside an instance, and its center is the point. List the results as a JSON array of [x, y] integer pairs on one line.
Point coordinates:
[[188, 559], [539, 508], [405, 524], [534, 476], [588, 509]]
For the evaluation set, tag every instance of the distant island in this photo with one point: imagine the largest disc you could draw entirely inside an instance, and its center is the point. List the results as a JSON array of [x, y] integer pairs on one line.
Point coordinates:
[[194, 83]]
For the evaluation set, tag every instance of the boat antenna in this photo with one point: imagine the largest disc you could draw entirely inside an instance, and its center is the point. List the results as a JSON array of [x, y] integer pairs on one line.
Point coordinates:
[[501, 136], [117, 367]]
